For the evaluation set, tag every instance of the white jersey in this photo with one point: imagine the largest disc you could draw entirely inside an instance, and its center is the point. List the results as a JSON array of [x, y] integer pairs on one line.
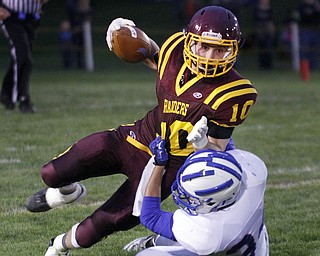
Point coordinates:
[[225, 231]]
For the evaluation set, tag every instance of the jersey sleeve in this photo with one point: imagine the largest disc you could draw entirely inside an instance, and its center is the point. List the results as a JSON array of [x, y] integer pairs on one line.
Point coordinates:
[[231, 103], [156, 220]]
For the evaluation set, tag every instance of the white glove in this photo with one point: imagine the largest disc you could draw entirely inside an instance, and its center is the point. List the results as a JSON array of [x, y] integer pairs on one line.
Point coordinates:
[[198, 136], [140, 243], [116, 24]]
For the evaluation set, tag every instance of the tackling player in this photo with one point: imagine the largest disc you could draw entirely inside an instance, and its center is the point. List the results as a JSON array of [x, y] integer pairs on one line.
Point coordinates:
[[195, 78], [221, 201]]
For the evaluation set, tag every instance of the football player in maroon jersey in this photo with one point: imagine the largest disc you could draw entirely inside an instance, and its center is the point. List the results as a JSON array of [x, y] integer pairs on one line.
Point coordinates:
[[195, 81]]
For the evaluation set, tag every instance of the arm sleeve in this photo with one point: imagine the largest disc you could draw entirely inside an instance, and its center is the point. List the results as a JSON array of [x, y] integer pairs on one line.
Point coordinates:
[[153, 218], [219, 132]]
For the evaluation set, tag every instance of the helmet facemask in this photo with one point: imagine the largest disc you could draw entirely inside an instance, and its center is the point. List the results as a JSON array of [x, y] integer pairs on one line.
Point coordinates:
[[207, 67], [191, 204]]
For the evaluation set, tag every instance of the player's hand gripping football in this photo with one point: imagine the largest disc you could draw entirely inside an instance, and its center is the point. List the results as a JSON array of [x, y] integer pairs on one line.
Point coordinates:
[[198, 136], [158, 149], [116, 24]]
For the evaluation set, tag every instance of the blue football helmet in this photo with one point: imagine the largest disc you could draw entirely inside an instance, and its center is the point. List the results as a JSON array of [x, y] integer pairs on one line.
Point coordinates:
[[208, 181]]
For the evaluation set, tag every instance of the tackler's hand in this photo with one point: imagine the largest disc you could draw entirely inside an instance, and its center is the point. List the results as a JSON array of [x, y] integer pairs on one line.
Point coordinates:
[[116, 24], [198, 136], [158, 149]]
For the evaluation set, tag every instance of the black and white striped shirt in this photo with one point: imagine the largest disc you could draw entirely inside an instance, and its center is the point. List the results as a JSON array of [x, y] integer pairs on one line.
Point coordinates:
[[22, 6]]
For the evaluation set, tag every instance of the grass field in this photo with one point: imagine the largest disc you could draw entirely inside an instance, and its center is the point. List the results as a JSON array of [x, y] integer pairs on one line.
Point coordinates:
[[282, 129]]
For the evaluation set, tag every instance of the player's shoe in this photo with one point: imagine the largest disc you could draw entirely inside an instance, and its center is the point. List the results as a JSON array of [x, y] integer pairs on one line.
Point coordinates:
[[52, 251], [140, 243], [26, 106], [6, 102], [48, 198]]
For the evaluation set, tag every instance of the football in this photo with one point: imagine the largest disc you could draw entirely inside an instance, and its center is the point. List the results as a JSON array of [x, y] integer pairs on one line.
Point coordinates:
[[131, 44]]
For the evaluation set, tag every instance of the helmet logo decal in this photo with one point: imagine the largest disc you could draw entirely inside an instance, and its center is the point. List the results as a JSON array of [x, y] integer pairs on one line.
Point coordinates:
[[197, 95], [212, 34]]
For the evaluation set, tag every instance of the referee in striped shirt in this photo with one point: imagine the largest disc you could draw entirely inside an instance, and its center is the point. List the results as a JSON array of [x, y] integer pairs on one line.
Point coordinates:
[[19, 20]]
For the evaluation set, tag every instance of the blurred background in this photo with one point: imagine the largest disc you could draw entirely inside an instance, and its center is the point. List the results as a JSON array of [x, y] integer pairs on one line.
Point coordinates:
[[73, 100], [159, 19]]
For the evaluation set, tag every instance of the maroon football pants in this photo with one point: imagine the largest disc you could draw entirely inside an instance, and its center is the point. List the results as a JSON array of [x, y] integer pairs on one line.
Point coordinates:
[[102, 154]]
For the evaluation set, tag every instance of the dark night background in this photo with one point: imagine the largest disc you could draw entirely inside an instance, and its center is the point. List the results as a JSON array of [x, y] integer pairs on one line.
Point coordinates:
[[158, 19]]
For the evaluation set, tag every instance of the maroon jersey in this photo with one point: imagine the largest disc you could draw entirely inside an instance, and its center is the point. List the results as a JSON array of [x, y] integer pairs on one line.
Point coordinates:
[[184, 98]]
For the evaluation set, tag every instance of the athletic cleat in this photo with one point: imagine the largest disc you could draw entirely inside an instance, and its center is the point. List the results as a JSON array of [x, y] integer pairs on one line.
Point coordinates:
[[140, 243], [52, 251], [6, 102], [26, 106], [37, 202], [48, 198]]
